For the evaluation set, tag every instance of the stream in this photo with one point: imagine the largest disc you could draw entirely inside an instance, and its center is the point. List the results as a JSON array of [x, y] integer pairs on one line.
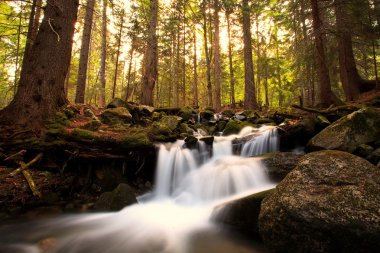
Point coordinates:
[[175, 216]]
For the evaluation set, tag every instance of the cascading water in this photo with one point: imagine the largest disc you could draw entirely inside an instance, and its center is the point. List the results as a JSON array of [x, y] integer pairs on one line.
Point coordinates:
[[174, 218]]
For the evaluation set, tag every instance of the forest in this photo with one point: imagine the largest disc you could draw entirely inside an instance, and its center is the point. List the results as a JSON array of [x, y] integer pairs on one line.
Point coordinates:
[[189, 126], [218, 54]]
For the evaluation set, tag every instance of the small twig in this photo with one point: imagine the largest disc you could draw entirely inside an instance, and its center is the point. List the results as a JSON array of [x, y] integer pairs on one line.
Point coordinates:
[[31, 183], [16, 157], [24, 166], [54, 30]]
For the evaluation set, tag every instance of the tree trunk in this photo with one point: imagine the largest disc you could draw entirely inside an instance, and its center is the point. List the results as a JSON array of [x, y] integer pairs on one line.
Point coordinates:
[[250, 101], [149, 78], [103, 57], [217, 68], [352, 83], [84, 52], [131, 52], [327, 97], [184, 54], [207, 55], [34, 21], [195, 66], [232, 78], [41, 88], [117, 55]]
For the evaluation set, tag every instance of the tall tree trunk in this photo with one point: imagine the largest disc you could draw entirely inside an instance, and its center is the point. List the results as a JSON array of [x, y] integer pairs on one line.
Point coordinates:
[[41, 90], [184, 54], [278, 71], [250, 101], [150, 75], [84, 52], [117, 55], [352, 83], [177, 71], [195, 66], [217, 68], [131, 52], [327, 97], [34, 19], [266, 88], [103, 57], [232, 78], [258, 64], [207, 55]]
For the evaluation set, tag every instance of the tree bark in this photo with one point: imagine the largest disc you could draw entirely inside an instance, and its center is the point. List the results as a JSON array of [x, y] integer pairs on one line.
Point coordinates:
[[352, 83], [103, 57], [34, 21], [84, 52], [117, 55], [207, 54], [250, 101], [327, 97], [150, 75], [232, 78], [217, 68], [195, 66], [41, 88]]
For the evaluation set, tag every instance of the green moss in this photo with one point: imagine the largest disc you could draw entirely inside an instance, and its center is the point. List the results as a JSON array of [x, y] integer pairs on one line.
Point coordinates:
[[138, 140], [83, 134], [234, 127]]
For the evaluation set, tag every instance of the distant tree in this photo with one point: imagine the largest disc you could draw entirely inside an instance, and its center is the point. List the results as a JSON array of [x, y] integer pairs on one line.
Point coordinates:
[[103, 57], [84, 52], [207, 53], [250, 101], [150, 74], [41, 92], [217, 68]]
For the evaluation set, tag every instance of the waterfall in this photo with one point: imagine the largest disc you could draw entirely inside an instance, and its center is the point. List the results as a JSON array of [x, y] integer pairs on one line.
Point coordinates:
[[265, 141], [174, 218]]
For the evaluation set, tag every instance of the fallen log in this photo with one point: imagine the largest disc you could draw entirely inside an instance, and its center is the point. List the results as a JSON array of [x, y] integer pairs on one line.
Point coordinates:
[[330, 110]]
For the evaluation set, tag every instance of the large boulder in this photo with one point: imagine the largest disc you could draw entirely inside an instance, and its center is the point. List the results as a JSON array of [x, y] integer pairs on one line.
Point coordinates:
[[329, 203], [279, 164], [165, 130], [347, 133], [116, 116], [117, 102]]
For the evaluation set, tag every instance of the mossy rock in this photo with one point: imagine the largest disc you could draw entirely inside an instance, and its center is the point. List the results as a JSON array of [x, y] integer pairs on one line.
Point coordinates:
[[191, 141], [221, 125], [347, 133], [187, 113], [116, 116], [117, 102], [209, 140], [156, 116], [265, 121], [207, 115], [363, 150], [374, 157], [171, 122], [234, 127], [228, 113], [161, 133], [136, 140], [116, 200]]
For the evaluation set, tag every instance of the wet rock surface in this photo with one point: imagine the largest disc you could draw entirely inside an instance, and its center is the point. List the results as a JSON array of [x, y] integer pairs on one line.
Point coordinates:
[[329, 203]]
